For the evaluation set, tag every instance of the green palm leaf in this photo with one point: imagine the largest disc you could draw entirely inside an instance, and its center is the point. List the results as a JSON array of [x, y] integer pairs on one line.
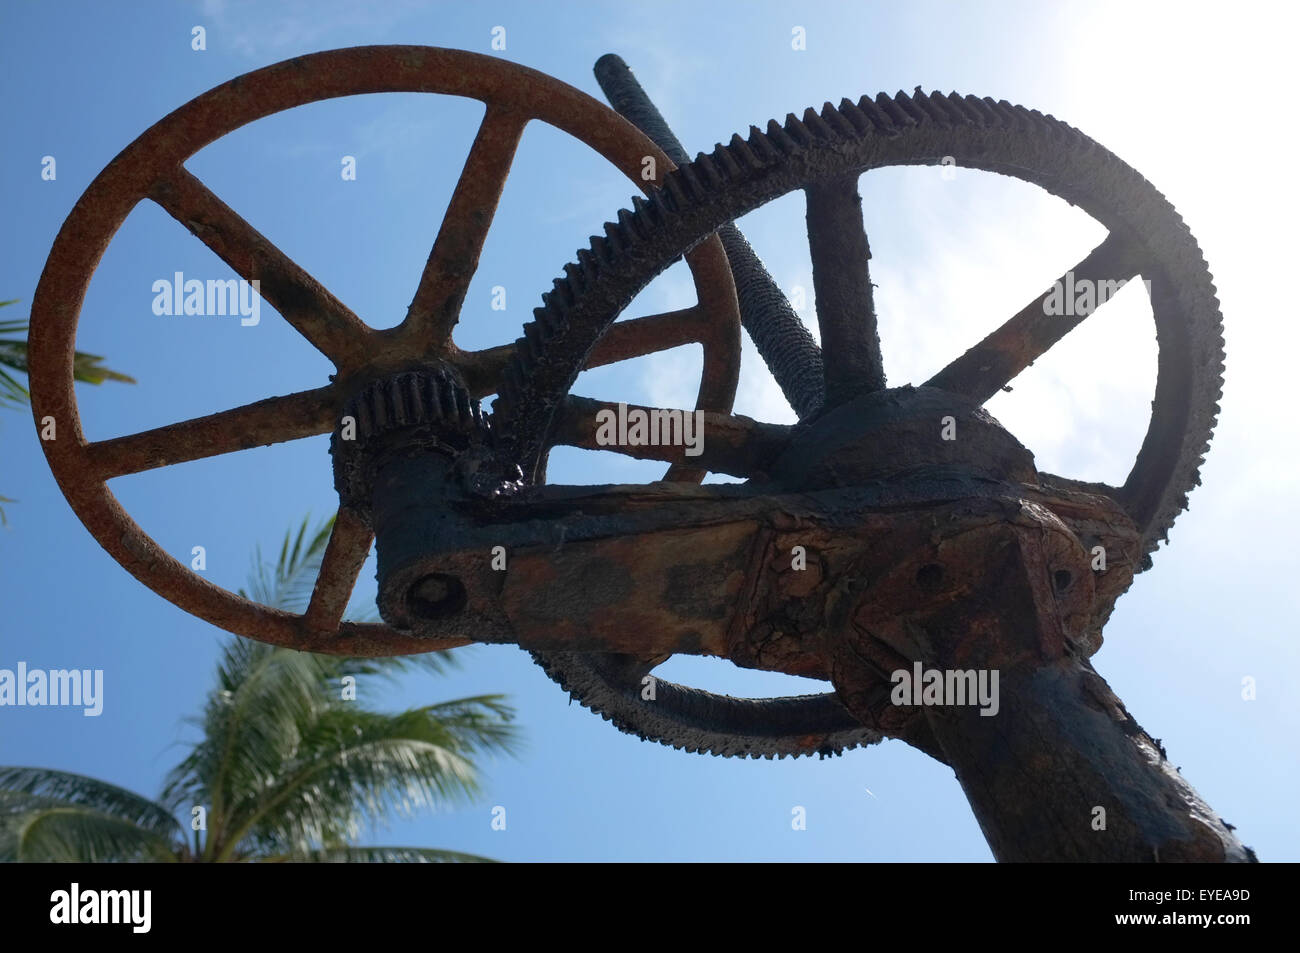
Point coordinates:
[[86, 368], [285, 767], [48, 815], [386, 855]]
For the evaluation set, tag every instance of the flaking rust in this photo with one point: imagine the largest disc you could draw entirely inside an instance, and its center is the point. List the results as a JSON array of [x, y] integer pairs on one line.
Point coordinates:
[[893, 529]]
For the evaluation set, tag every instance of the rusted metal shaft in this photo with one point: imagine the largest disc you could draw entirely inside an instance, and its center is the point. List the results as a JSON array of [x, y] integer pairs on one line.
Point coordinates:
[[776, 330], [1054, 766], [845, 309]]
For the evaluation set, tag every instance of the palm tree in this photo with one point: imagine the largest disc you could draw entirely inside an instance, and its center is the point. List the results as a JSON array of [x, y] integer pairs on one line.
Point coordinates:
[[86, 368], [286, 768]]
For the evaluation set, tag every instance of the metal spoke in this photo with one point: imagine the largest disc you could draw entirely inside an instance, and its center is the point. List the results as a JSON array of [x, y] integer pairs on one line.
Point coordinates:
[[640, 336], [346, 552], [732, 444], [274, 420], [846, 314], [624, 340], [317, 315], [990, 365], [454, 258]]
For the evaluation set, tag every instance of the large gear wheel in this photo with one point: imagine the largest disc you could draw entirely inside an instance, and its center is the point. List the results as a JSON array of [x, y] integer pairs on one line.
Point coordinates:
[[152, 169], [823, 154], [702, 722]]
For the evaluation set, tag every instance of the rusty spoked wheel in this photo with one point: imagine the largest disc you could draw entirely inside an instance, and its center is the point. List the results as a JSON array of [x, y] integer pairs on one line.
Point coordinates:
[[823, 155], [152, 167]]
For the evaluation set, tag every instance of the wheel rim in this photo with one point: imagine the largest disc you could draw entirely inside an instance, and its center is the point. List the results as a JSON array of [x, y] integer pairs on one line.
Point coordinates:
[[151, 167]]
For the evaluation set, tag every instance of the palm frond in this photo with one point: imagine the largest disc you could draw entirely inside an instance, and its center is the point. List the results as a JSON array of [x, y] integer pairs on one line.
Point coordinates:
[[72, 833], [89, 792], [288, 584], [385, 855], [357, 767], [12, 393], [251, 724], [86, 368], [49, 816], [392, 667]]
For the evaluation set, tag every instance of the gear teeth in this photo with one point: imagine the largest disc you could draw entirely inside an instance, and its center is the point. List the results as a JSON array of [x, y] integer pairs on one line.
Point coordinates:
[[998, 116], [591, 689], [905, 103], [691, 183], [878, 117], [389, 401], [525, 359], [743, 154], [561, 293], [631, 227], [600, 249], [429, 406], [514, 375], [1049, 125], [381, 413], [416, 395], [643, 212], [674, 191], [464, 411], [838, 123], [855, 117], [967, 108], [797, 131], [589, 264], [658, 211], [730, 167], [817, 127], [549, 322], [574, 279], [363, 417], [442, 403], [710, 171], [921, 104], [981, 108], [937, 108], [762, 146], [780, 140], [897, 117], [615, 243], [1017, 118], [768, 162], [533, 334]]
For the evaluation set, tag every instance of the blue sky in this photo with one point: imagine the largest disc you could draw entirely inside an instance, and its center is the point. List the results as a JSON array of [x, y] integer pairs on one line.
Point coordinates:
[[1195, 97]]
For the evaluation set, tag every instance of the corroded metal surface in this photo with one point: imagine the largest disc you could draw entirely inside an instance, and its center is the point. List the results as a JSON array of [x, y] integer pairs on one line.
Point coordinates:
[[983, 370], [779, 336], [822, 154], [152, 168], [662, 569], [607, 582], [1010, 595], [900, 130]]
